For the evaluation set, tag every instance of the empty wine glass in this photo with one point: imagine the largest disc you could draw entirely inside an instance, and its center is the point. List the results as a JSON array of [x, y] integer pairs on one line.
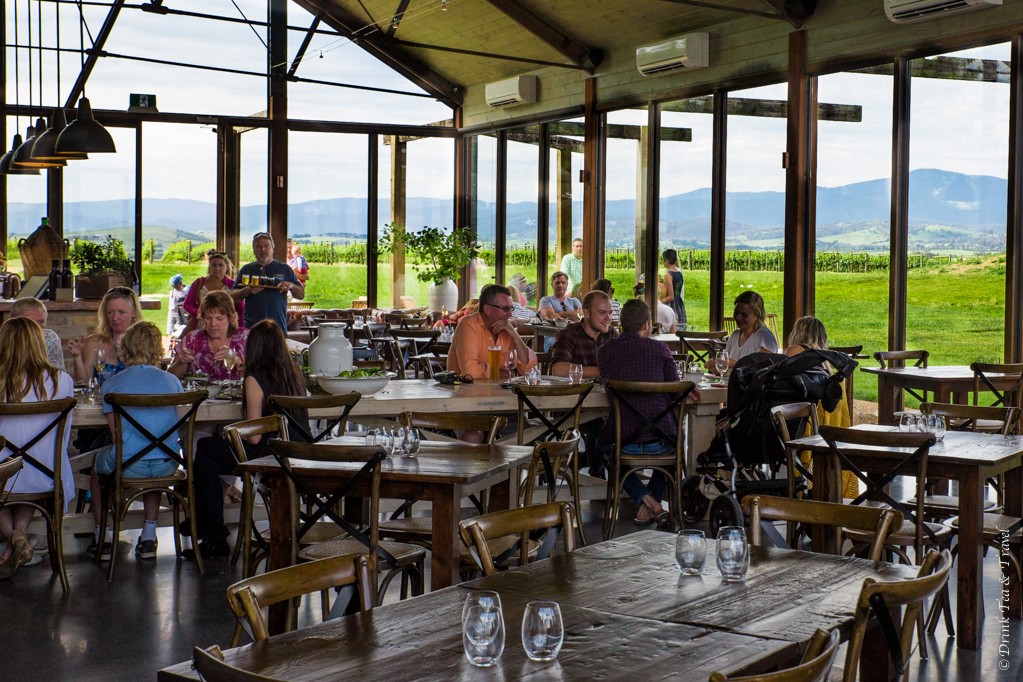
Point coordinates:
[[543, 630], [690, 551], [575, 373], [411, 443], [94, 390], [511, 363], [721, 362], [482, 628], [732, 553]]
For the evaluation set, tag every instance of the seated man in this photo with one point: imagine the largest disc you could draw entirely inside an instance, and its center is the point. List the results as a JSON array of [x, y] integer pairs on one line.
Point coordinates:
[[491, 326], [577, 344], [633, 356], [560, 305], [33, 309]]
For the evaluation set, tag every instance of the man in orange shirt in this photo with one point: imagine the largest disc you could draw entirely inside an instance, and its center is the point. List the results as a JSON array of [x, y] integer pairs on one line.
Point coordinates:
[[491, 326]]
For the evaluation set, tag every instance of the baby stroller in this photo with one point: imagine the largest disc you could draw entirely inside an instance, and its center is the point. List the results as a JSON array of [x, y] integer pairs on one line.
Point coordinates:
[[746, 454]]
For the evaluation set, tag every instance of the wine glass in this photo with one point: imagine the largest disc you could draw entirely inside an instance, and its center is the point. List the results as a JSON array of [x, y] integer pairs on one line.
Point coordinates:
[[721, 362], [543, 630], [229, 361], [101, 359], [482, 628], [575, 373], [411, 443], [732, 553], [511, 362], [398, 437]]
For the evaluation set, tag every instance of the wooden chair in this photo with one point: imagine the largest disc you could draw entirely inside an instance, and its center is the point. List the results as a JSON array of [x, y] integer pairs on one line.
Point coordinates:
[[210, 665], [984, 381], [247, 598], [553, 518], [49, 503], [898, 358], [400, 558], [801, 416], [237, 434], [119, 492], [551, 460], [874, 602], [671, 463], [295, 410], [408, 302], [855, 352], [390, 351], [770, 321], [702, 345], [402, 525], [878, 522], [814, 666]]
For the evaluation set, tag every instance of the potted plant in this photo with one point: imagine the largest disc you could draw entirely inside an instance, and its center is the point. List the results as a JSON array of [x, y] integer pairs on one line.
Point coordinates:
[[100, 267], [437, 256]]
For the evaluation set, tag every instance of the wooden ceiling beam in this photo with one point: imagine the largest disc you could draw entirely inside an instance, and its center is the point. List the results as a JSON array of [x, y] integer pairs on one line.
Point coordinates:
[[796, 12], [300, 55], [584, 57], [396, 18], [380, 46]]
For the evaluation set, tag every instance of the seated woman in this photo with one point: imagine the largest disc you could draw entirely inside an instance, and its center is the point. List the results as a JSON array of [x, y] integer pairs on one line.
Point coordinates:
[[203, 351], [268, 371], [26, 376], [520, 315], [142, 351], [750, 335], [809, 332], [97, 354], [218, 278], [451, 319]]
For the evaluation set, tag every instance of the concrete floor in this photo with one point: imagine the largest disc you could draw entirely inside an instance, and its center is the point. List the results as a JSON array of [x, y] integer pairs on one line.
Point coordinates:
[[153, 612]]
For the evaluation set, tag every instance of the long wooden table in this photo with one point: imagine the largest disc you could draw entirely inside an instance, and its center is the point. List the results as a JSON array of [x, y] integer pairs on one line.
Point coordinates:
[[968, 457], [443, 474], [948, 383], [627, 612]]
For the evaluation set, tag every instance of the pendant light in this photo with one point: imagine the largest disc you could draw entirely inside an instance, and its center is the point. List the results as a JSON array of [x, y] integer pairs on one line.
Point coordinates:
[[84, 134], [23, 156], [45, 146], [5, 160]]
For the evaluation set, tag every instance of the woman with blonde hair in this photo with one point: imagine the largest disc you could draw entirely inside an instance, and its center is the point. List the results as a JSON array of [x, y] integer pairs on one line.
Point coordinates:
[[750, 335], [203, 351], [98, 354], [26, 376], [218, 278]]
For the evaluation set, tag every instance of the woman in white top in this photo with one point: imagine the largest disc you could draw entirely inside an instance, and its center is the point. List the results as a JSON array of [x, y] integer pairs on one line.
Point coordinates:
[[25, 375], [750, 335]]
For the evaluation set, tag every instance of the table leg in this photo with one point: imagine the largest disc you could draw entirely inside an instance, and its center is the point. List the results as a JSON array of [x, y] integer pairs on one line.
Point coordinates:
[[445, 545], [885, 401], [700, 434], [827, 487], [969, 584], [282, 544], [1014, 507]]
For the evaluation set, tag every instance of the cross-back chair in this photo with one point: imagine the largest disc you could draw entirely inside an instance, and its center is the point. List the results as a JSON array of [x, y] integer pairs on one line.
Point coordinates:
[[855, 352], [547, 521], [49, 503], [814, 666], [630, 397], [349, 574], [553, 459], [702, 345], [295, 410], [390, 351], [898, 358], [119, 492], [991, 377], [210, 665]]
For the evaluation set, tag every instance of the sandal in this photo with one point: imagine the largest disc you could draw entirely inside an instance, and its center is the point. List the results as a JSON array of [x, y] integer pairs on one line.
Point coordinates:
[[21, 548]]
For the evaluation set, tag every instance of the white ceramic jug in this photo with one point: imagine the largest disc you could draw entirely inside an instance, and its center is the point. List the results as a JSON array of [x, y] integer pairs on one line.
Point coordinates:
[[330, 353]]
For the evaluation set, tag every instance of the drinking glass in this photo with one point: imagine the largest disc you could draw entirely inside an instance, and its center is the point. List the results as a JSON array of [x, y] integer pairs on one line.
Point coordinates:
[[732, 553], [494, 363], [690, 551], [398, 441], [533, 376], [482, 628], [721, 362], [101, 359], [543, 631], [229, 360], [411, 443], [575, 373], [511, 363], [94, 390], [936, 426], [909, 422]]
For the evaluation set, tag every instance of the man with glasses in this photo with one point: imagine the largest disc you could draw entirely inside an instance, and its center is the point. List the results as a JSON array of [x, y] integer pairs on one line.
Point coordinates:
[[269, 300], [491, 326]]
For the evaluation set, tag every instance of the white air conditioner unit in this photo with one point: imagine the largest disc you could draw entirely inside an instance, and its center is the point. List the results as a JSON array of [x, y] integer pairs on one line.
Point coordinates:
[[518, 90], [681, 52], [906, 11]]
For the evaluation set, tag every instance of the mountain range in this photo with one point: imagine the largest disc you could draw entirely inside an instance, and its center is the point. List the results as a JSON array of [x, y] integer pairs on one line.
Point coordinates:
[[948, 211]]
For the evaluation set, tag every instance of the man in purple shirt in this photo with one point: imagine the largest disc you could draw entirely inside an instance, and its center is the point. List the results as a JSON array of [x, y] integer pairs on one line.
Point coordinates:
[[634, 356]]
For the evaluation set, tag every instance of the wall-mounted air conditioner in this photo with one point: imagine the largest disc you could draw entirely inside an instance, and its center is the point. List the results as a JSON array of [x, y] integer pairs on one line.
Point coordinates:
[[517, 90], [681, 52], [905, 11]]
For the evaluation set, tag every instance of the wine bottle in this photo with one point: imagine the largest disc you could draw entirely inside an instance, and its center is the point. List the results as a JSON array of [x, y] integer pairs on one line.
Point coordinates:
[[54, 283], [66, 278]]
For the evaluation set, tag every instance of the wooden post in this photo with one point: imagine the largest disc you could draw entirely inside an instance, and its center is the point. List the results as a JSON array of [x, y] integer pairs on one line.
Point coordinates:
[[228, 196], [642, 169], [372, 219], [564, 223], [594, 174], [543, 213], [398, 177], [719, 178], [1014, 212], [277, 109], [897, 265], [651, 139]]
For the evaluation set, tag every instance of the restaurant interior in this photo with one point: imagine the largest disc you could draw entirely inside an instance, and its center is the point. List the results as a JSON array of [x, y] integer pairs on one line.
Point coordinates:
[[573, 109]]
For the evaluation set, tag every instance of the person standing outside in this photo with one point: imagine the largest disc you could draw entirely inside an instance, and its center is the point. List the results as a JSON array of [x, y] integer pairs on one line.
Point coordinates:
[[572, 264], [491, 326], [674, 291], [266, 302]]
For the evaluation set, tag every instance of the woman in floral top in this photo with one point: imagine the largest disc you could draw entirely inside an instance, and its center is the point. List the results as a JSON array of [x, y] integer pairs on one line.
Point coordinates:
[[203, 351]]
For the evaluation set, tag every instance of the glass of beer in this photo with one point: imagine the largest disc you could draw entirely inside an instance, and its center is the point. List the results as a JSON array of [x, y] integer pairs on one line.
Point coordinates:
[[494, 360]]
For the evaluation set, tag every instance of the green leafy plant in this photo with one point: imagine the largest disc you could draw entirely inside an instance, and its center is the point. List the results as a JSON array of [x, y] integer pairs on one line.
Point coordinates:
[[91, 258], [436, 255]]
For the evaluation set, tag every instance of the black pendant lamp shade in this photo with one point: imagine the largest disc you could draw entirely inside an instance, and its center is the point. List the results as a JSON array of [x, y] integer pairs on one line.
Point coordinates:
[[5, 160], [46, 143], [23, 155], [84, 134]]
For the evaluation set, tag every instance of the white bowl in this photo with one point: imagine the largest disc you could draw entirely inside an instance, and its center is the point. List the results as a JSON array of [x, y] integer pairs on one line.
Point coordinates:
[[363, 385]]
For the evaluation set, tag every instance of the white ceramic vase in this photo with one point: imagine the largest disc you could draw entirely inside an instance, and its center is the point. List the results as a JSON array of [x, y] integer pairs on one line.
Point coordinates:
[[443, 296], [330, 352]]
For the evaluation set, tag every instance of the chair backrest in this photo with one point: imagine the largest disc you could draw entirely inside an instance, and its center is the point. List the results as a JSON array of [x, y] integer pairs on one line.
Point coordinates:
[[624, 393], [439, 422], [295, 408], [543, 361], [898, 358], [59, 410], [814, 667], [210, 665], [128, 405], [702, 345], [549, 458], [239, 432], [984, 381], [877, 597], [851, 351], [799, 416], [8, 467], [247, 598], [536, 401], [766, 508], [968, 417], [554, 518]]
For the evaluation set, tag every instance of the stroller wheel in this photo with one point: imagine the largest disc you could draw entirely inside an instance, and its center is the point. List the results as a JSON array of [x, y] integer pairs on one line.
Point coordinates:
[[694, 503], [725, 511]]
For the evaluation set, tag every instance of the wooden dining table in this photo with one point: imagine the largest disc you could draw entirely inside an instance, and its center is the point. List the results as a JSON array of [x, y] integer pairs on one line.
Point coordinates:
[[627, 611], [967, 457], [442, 473]]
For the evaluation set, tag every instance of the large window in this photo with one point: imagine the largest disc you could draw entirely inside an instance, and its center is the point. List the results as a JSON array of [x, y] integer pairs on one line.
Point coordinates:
[[565, 192], [625, 210], [483, 206], [521, 227], [254, 148]]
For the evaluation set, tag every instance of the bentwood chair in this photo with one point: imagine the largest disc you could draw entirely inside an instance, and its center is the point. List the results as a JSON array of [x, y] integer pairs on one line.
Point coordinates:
[[210, 665], [898, 358], [855, 352], [296, 410], [119, 492], [702, 345], [350, 574], [537, 528], [991, 378], [815, 665], [874, 602], [49, 503]]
